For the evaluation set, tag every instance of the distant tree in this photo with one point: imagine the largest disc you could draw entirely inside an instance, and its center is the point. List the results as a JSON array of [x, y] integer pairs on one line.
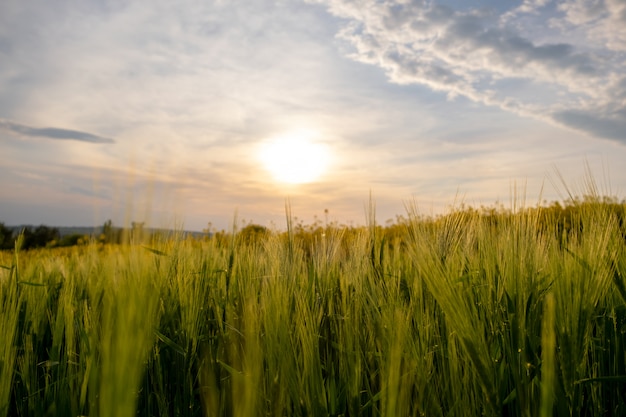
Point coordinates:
[[73, 239], [137, 232], [110, 234], [40, 237], [27, 238], [210, 230], [107, 230], [6, 237], [252, 233]]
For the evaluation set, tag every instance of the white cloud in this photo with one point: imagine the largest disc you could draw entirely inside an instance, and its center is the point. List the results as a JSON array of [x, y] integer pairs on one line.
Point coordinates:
[[478, 54], [601, 23]]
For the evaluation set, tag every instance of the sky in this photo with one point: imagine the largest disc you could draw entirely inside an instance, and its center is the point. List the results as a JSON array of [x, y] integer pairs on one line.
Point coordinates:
[[180, 114]]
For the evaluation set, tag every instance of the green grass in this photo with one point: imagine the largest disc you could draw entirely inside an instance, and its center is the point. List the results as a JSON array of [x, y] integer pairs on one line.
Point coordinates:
[[479, 312]]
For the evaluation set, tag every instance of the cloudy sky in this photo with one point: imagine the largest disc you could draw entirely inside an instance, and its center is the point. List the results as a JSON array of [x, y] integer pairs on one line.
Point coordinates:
[[183, 113]]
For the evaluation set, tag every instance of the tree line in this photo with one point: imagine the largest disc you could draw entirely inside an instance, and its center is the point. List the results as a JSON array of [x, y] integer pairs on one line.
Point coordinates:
[[49, 237], [40, 236], [563, 219]]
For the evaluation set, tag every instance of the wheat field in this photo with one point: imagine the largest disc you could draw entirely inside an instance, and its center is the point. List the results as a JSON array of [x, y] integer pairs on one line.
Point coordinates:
[[477, 312]]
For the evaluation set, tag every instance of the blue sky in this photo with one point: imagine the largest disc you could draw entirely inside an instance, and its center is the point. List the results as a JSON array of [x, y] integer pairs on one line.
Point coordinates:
[[158, 111]]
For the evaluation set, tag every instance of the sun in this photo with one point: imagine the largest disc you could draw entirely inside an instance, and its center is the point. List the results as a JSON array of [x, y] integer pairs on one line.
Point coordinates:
[[295, 158]]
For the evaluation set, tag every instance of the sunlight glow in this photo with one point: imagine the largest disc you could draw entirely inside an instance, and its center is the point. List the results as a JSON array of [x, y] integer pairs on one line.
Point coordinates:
[[295, 158]]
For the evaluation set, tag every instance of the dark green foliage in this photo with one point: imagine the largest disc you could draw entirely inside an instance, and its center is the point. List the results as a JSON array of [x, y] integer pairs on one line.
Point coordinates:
[[253, 234], [41, 237], [112, 234], [6, 237], [73, 240]]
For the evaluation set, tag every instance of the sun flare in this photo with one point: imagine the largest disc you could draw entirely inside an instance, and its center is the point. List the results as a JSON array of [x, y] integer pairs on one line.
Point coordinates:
[[295, 158]]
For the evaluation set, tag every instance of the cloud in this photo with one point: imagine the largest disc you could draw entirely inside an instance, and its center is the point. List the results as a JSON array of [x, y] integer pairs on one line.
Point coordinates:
[[600, 125], [191, 67], [521, 61], [601, 22], [53, 133]]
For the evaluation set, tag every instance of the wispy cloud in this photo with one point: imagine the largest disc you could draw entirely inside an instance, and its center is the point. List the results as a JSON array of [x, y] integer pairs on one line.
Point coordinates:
[[501, 59], [53, 133]]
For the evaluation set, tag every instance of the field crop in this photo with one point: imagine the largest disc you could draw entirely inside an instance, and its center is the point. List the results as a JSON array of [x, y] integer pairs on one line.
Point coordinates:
[[478, 312]]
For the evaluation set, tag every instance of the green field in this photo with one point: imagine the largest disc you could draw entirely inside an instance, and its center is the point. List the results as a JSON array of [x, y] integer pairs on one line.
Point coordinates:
[[488, 312]]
